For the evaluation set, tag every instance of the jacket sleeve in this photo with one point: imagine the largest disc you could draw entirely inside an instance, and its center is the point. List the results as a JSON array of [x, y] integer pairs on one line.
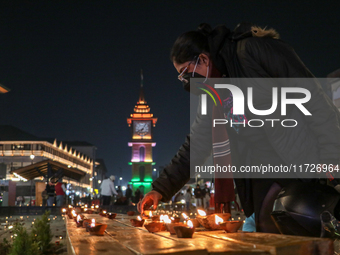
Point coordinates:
[[196, 148], [281, 61]]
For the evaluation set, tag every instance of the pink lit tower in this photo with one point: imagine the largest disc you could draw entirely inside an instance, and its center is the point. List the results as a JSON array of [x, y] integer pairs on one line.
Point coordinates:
[[142, 123]]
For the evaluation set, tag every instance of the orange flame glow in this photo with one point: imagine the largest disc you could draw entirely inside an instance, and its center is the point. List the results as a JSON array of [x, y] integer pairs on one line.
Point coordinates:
[[185, 216], [201, 212], [139, 218], [218, 220], [150, 214], [189, 224]]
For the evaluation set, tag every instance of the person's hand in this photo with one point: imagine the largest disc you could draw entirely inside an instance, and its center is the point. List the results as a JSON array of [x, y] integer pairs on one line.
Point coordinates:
[[151, 198]]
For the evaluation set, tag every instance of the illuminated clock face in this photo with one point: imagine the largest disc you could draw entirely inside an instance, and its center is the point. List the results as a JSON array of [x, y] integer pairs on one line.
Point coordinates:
[[142, 128]]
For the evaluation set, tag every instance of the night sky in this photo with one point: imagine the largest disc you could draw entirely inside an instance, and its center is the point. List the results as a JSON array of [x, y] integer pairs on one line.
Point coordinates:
[[73, 67]]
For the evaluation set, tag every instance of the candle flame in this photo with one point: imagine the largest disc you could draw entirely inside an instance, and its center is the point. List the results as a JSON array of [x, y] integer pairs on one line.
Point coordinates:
[[189, 224], [86, 206], [139, 218], [150, 214], [172, 218], [93, 224], [167, 221], [185, 216], [97, 206], [104, 211], [78, 218], [201, 212], [64, 210], [218, 220]]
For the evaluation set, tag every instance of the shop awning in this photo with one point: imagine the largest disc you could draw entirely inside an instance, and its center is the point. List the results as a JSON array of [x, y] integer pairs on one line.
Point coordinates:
[[47, 168]]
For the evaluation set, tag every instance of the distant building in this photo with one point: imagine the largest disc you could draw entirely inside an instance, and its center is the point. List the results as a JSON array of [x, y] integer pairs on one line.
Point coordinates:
[[25, 157]]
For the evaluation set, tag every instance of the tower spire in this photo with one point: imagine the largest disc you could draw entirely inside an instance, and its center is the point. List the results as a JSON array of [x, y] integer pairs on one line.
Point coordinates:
[[141, 92], [141, 77]]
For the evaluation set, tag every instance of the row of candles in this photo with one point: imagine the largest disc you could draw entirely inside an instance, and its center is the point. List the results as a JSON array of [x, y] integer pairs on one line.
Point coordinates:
[[90, 225], [212, 222]]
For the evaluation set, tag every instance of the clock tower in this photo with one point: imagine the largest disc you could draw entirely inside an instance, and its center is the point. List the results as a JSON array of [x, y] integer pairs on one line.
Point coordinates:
[[142, 123]]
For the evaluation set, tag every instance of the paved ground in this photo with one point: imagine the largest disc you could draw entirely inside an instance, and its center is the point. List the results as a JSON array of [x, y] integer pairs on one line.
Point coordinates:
[[57, 224]]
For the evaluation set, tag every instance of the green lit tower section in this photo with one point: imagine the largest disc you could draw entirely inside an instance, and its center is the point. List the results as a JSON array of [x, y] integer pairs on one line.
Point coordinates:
[[142, 123]]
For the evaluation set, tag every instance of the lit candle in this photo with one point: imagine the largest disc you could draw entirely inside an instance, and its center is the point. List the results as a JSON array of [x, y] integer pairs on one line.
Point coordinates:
[[150, 214], [185, 231], [185, 216], [201, 212], [218, 220], [189, 224], [104, 212], [139, 218], [93, 224]]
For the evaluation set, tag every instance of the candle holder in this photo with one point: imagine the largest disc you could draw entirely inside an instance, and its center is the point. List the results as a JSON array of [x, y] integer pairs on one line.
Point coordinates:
[[98, 229], [175, 219], [79, 223], [231, 226], [111, 216], [155, 218], [153, 227], [170, 227], [102, 213], [184, 232], [208, 221], [137, 223], [130, 213], [86, 222], [196, 223]]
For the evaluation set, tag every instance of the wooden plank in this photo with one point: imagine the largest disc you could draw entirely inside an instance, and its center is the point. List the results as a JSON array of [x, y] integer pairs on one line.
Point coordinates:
[[215, 246], [142, 242], [219, 242], [80, 242], [277, 244], [212, 245]]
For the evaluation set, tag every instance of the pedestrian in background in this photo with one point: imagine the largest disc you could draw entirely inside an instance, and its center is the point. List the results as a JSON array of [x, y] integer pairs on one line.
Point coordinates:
[[50, 189], [60, 191], [206, 196], [108, 189], [128, 193], [198, 196], [187, 197]]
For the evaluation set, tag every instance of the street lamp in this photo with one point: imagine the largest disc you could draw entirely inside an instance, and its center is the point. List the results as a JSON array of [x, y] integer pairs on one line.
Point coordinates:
[[120, 178]]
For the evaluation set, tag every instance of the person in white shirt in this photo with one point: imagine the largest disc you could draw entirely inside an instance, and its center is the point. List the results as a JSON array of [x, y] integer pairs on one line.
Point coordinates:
[[108, 189]]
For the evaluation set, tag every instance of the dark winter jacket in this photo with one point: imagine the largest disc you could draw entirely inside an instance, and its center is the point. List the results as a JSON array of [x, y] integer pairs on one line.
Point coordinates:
[[315, 140]]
